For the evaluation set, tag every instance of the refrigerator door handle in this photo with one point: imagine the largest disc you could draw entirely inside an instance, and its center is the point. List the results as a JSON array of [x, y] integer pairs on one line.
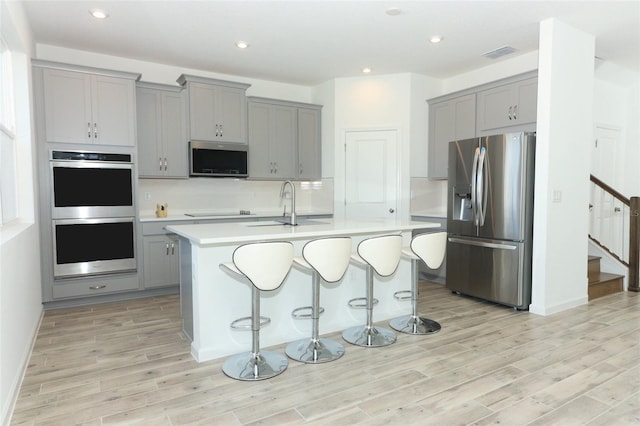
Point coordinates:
[[474, 186], [482, 244], [482, 186]]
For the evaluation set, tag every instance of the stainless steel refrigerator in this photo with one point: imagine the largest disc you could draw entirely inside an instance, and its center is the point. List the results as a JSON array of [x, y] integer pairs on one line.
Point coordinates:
[[490, 218]]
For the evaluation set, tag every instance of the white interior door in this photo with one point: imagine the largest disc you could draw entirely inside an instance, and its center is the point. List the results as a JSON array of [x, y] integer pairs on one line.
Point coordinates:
[[371, 175], [604, 156]]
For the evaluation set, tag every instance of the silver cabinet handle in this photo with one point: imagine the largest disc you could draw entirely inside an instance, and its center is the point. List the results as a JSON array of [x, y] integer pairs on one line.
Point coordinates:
[[95, 130], [167, 246], [300, 171], [515, 112], [97, 287], [509, 115], [173, 249], [391, 210], [89, 130], [160, 163], [221, 129], [165, 164]]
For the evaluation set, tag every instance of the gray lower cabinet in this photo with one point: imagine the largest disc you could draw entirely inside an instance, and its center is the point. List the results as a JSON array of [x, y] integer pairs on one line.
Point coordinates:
[[217, 109], [508, 105], [162, 131], [87, 108], [284, 139], [161, 254], [450, 119]]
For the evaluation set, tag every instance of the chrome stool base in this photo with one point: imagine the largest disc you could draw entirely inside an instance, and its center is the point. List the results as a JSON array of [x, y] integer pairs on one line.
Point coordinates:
[[313, 351], [370, 337], [255, 366], [411, 324]]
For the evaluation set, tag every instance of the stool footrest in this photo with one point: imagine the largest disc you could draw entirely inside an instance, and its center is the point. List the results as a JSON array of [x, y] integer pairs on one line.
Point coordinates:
[[360, 303], [238, 324], [297, 315], [403, 294]]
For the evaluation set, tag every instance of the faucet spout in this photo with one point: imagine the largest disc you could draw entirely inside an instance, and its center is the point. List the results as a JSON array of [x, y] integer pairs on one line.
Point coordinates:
[[294, 220]]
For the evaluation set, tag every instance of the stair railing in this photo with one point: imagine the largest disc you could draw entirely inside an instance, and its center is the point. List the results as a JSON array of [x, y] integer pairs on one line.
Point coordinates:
[[614, 225]]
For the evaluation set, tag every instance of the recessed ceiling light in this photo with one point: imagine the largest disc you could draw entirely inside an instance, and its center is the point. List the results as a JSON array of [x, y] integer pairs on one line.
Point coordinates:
[[435, 39], [242, 44], [99, 13], [393, 11], [366, 70]]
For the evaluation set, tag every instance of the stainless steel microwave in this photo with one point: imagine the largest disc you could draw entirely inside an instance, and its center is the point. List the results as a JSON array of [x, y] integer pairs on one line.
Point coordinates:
[[215, 159]]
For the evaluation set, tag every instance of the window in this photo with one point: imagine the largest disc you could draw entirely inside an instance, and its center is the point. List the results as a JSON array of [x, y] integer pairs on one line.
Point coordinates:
[[8, 181]]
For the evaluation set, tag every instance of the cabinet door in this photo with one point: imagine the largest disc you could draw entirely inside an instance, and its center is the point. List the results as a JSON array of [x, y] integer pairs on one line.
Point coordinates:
[[150, 155], [495, 107], [174, 135], [67, 105], [201, 112], [113, 110], [527, 101], [510, 105], [309, 144], [260, 164], [161, 264], [282, 143], [231, 115], [450, 120]]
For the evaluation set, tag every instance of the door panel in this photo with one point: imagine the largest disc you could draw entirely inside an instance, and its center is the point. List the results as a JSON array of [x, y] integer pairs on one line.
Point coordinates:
[[371, 174], [459, 211], [504, 187], [492, 272]]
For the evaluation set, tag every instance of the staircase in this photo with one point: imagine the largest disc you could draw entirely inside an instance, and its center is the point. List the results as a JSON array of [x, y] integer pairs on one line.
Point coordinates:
[[602, 283]]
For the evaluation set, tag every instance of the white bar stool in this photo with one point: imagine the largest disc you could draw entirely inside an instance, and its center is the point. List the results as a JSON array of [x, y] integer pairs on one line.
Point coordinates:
[[327, 259], [430, 248], [265, 265], [382, 255]]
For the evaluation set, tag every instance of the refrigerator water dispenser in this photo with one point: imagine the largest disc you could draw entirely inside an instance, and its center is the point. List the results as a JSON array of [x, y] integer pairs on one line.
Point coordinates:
[[462, 207]]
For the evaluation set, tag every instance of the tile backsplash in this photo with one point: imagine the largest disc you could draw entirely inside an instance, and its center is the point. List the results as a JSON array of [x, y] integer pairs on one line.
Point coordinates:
[[229, 195], [428, 197]]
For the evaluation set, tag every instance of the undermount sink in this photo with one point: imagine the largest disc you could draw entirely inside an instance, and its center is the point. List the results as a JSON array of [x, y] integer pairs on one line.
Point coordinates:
[[283, 222]]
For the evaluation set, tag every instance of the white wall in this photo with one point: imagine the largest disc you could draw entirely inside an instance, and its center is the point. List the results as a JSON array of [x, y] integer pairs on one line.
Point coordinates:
[[20, 291], [631, 186], [565, 104]]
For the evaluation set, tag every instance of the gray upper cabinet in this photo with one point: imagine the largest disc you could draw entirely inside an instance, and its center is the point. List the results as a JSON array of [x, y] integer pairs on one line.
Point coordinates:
[[309, 143], [508, 105], [87, 108], [451, 119], [284, 139], [162, 131], [217, 109]]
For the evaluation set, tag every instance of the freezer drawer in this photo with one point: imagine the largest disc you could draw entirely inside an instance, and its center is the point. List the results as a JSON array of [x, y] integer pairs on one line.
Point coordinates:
[[489, 269]]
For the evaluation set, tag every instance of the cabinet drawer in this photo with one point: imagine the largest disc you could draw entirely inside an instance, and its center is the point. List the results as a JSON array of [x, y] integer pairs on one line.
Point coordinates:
[[95, 286], [159, 228]]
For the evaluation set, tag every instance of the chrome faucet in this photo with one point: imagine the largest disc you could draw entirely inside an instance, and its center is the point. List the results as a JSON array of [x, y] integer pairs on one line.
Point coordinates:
[[294, 220]]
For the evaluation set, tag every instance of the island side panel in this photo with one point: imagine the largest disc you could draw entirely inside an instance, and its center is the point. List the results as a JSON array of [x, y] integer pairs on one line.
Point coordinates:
[[218, 298]]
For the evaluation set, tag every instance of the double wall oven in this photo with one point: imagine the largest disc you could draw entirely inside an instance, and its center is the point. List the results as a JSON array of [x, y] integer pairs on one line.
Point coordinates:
[[93, 215]]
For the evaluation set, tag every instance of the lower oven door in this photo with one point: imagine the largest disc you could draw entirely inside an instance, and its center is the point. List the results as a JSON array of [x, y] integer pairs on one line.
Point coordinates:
[[93, 246]]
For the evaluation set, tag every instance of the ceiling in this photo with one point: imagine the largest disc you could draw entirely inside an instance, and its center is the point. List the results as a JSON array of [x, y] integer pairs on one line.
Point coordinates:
[[308, 42]]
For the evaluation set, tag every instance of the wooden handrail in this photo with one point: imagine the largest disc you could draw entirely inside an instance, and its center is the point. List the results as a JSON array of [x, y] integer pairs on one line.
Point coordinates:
[[634, 244], [634, 233], [610, 190]]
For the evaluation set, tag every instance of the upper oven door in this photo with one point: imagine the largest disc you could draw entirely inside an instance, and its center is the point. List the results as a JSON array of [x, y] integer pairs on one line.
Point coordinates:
[[83, 189]]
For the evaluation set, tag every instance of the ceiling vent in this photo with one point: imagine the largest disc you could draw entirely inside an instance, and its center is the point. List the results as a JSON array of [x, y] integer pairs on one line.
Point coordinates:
[[501, 51]]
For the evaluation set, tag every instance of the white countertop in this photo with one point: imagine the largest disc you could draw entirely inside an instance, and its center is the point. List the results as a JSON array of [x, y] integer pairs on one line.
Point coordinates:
[[237, 232], [179, 215]]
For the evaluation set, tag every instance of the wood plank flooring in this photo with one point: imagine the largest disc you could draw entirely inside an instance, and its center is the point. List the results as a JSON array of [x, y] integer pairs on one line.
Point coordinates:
[[129, 363]]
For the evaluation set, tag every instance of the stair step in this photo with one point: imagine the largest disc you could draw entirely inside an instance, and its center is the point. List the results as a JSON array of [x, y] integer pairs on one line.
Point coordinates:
[[604, 284], [593, 264]]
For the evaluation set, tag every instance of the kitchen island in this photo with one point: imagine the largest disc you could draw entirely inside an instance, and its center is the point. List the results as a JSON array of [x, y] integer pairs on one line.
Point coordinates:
[[211, 298]]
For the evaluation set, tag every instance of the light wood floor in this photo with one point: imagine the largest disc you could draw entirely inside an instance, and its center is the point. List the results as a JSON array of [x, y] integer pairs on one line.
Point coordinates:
[[128, 363]]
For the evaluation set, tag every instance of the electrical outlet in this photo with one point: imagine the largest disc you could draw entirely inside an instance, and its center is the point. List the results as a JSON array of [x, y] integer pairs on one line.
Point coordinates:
[[147, 195]]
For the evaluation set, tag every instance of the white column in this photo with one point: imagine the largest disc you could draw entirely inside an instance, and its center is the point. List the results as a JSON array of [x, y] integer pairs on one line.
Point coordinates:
[[564, 132]]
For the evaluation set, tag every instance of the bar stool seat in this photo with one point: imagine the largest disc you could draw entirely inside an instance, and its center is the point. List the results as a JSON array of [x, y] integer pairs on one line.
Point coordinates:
[[431, 249], [265, 265], [327, 259], [382, 256]]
